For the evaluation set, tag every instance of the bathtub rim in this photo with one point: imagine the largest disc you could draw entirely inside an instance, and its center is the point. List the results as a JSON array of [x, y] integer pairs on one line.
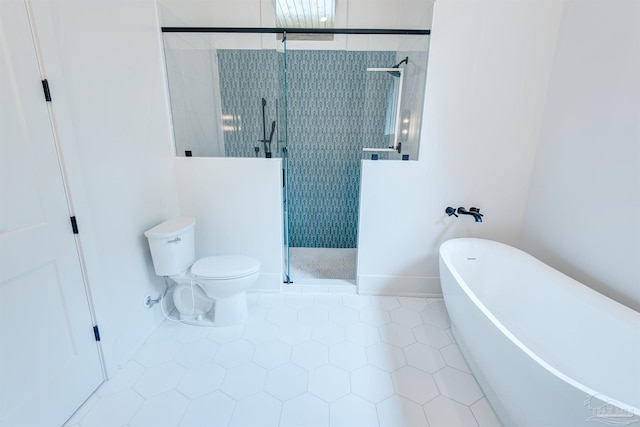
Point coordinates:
[[444, 253]]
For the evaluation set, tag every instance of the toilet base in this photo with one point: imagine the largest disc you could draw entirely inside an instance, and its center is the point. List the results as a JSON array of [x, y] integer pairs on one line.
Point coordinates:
[[230, 310], [198, 309], [196, 320]]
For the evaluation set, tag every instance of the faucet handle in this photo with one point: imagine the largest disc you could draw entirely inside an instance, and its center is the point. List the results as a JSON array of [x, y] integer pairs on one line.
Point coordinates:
[[475, 210], [451, 211]]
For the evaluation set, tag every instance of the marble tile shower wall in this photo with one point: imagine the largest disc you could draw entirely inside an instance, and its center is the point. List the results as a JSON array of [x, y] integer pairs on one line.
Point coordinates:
[[334, 110], [195, 113]]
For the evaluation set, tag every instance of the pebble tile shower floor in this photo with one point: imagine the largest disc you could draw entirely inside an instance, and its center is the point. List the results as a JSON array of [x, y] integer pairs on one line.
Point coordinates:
[[299, 360]]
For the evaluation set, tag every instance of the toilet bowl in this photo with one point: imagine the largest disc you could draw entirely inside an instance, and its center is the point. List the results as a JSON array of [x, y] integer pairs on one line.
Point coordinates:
[[193, 304], [209, 291]]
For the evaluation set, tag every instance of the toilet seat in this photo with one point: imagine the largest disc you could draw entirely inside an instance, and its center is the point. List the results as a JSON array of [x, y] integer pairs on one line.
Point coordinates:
[[225, 267]]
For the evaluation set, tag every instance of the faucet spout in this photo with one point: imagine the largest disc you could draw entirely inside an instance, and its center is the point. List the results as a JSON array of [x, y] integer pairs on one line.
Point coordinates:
[[475, 212]]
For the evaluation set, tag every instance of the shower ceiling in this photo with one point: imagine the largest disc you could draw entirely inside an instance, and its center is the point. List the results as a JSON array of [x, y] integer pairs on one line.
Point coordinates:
[[305, 13]]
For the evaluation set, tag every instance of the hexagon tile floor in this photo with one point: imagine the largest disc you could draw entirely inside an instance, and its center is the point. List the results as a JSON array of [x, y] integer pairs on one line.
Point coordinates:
[[299, 360]]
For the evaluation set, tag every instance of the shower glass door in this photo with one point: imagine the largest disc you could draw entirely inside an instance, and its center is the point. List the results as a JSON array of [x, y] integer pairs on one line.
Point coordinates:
[[281, 113]]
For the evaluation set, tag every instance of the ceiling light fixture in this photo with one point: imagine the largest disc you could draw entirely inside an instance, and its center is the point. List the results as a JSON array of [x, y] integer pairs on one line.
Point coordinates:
[[305, 13]]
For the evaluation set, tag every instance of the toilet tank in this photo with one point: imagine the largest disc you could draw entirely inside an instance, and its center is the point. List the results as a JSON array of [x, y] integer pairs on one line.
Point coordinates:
[[172, 245]]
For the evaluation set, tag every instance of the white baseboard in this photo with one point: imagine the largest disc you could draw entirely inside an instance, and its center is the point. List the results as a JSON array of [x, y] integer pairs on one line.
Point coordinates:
[[267, 282], [366, 285], [399, 286], [321, 286]]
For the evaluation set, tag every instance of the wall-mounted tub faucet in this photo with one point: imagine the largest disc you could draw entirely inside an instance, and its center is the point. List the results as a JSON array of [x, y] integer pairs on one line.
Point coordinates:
[[475, 212]]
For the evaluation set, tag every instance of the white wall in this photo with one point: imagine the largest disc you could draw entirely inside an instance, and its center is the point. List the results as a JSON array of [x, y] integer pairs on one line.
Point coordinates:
[[582, 212], [237, 204], [489, 66], [103, 61]]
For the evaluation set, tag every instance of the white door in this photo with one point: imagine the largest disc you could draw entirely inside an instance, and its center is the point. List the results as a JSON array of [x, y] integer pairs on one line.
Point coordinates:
[[49, 362]]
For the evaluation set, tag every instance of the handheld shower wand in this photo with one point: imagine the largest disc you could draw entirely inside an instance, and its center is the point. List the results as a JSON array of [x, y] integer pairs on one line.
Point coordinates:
[[264, 125], [266, 143], [264, 128]]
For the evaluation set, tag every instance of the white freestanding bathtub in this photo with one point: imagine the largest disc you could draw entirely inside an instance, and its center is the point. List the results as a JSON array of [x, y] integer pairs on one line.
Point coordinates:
[[547, 350]]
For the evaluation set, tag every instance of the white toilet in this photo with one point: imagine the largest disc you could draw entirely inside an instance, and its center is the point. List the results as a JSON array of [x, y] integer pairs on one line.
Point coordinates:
[[210, 291]]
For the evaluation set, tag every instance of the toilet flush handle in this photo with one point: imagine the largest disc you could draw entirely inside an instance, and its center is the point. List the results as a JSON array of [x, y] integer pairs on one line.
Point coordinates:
[[174, 240]]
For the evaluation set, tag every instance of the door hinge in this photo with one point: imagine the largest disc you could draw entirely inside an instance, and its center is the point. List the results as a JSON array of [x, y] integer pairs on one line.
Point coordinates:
[[74, 225], [96, 333], [47, 92]]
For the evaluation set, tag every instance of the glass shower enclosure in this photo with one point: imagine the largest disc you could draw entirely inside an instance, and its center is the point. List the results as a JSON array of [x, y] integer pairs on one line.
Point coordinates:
[[228, 98], [322, 105]]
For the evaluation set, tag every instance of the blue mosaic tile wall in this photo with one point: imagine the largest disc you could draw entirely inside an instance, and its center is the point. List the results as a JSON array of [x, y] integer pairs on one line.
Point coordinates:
[[247, 76], [335, 108]]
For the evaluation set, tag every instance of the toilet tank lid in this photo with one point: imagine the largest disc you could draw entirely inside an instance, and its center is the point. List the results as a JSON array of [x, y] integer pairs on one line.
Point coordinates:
[[170, 228], [225, 266]]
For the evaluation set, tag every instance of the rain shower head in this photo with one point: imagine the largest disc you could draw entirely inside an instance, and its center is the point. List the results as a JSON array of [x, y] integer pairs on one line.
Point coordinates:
[[404, 61], [397, 73]]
